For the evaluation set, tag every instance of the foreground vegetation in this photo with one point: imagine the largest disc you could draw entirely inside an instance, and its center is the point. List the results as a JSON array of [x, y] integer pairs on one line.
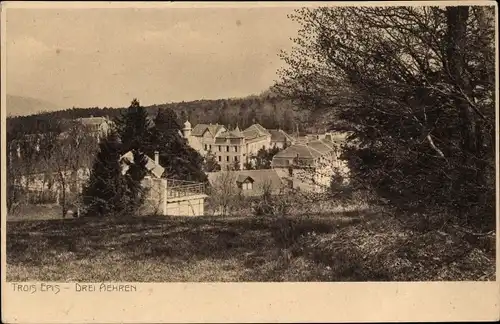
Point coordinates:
[[347, 245]]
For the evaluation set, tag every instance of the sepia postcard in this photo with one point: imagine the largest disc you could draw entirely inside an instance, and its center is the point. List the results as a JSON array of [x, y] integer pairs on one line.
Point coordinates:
[[180, 162]]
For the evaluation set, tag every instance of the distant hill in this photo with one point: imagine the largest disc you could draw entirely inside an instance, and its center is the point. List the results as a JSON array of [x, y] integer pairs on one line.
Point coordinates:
[[266, 108], [24, 106]]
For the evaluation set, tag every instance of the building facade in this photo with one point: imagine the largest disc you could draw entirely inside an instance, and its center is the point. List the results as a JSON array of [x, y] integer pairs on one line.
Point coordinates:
[[280, 139], [231, 148], [310, 166]]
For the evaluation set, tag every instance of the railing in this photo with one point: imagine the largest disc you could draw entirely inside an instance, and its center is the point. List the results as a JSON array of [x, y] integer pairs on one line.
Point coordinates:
[[177, 183], [180, 188]]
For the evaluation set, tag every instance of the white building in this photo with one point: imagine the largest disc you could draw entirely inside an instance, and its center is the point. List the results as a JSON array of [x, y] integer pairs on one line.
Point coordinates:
[[230, 147]]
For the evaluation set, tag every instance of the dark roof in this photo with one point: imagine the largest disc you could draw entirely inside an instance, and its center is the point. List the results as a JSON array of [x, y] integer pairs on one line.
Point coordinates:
[[258, 177]]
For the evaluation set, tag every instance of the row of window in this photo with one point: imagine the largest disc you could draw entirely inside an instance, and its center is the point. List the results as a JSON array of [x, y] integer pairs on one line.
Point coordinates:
[[208, 147], [227, 158], [246, 186]]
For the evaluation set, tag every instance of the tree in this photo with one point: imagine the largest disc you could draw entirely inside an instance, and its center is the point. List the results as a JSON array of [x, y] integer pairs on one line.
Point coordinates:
[[66, 155], [264, 158], [248, 165], [134, 128], [415, 85], [136, 136], [175, 155], [107, 191], [236, 166], [224, 193], [211, 164], [136, 192]]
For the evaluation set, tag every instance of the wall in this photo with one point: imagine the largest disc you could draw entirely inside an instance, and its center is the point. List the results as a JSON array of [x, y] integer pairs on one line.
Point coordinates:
[[253, 146], [186, 207], [223, 154]]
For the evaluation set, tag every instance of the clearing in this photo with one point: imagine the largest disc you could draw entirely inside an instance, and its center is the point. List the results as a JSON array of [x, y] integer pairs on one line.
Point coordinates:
[[337, 247]]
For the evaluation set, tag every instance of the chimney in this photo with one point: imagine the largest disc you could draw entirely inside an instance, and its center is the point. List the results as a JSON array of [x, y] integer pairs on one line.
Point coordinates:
[[157, 158]]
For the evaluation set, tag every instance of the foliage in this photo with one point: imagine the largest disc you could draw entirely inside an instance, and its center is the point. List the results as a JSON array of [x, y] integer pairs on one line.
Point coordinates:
[[106, 192], [210, 164], [263, 159], [53, 159], [266, 109], [176, 156], [113, 190], [134, 128], [415, 85], [224, 195]]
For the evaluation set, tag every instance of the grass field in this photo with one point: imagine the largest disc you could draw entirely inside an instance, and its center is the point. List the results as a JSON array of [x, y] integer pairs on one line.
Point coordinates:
[[335, 247]]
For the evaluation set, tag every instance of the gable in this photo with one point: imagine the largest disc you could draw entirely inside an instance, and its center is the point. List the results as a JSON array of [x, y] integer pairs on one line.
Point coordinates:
[[207, 133], [244, 179]]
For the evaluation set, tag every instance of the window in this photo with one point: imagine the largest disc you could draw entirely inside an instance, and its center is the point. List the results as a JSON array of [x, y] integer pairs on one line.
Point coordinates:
[[220, 148], [227, 148], [236, 159], [210, 147], [206, 147], [227, 158], [290, 172], [236, 148], [220, 158], [247, 186]]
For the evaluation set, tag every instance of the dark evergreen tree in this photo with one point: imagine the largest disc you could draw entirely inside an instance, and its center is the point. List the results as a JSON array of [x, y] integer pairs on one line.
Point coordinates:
[[106, 191], [175, 155], [134, 176], [134, 128]]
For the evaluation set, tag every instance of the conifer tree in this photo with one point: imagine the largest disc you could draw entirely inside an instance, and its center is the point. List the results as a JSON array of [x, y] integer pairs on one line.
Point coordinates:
[[106, 191], [134, 128], [175, 155], [135, 131], [134, 176], [109, 191]]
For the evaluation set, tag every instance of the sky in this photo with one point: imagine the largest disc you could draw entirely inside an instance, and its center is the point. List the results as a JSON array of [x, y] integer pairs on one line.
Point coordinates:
[[106, 57]]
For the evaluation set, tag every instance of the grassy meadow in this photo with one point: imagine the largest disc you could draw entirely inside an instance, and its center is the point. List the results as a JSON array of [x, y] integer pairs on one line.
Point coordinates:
[[339, 245]]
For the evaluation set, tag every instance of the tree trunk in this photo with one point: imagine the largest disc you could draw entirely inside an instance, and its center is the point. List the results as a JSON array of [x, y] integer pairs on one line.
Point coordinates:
[[63, 196], [456, 18], [457, 24]]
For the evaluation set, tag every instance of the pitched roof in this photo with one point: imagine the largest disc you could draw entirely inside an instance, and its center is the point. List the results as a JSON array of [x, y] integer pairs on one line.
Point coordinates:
[[199, 129], [278, 135], [302, 151], [322, 145], [155, 169], [243, 178], [259, 178], [255, 131], [235, 133]]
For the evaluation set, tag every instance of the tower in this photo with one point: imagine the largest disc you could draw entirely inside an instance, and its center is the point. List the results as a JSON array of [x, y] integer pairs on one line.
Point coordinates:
[[186, 131]]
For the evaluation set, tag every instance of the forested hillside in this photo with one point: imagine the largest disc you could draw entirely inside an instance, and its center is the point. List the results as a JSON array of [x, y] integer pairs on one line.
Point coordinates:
[[267, 109]]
